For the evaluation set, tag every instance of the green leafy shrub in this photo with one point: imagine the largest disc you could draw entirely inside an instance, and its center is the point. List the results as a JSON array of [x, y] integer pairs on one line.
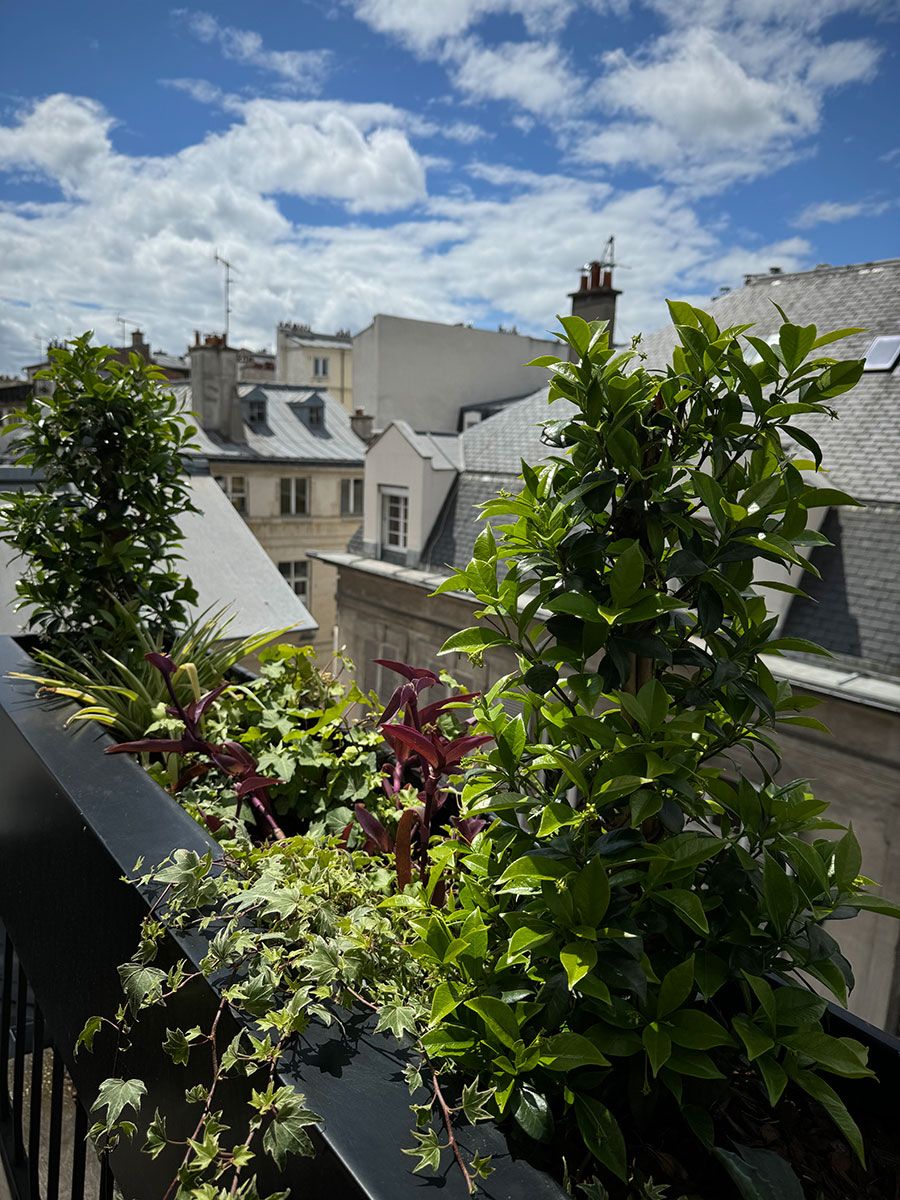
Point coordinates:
[[307, 729], [634, 934], [618, 965], [100, 525]]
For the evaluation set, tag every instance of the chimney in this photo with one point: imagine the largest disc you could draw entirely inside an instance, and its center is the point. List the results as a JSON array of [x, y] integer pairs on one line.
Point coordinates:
[[361, 424], [595, 299], [214, 388], [138, 345]]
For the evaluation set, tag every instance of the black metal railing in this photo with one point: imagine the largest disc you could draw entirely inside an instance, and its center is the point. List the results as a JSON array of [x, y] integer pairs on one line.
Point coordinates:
[[44, 1148]]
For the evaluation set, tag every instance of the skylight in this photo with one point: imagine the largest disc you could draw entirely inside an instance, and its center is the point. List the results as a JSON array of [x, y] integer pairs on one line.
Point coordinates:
[[883, 353]]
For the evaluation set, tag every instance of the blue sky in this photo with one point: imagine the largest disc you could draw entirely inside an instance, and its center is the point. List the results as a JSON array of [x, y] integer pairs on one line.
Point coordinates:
[[447, 159]]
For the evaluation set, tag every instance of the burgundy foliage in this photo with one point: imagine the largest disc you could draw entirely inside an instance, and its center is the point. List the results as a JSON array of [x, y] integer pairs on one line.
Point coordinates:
[[424, 755], [229, 757]]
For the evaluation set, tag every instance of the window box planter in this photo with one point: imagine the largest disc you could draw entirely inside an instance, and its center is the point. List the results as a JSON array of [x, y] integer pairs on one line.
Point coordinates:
[[72, 823]]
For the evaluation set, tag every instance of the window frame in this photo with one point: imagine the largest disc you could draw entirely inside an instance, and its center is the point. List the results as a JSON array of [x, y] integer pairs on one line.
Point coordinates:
[[294, 490], [320, 366], [297, 575], [352, 487], [389, 494], [237, 496]]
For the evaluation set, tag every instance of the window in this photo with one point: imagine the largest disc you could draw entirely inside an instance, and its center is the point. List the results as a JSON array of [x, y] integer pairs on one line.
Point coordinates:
[[235, 488], [882, 354], [294, 497], [256, 413], [394, 519], [297, 575], [314, 414], [351, 497], [320, 368]]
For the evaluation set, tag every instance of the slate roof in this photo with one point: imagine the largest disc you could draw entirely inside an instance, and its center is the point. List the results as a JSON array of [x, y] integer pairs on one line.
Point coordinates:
[[855, 607], [861, 450], [285, 436], [220, 554]]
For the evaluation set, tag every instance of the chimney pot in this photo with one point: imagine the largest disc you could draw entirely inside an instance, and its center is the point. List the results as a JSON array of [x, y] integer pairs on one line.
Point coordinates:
[[607, 279], [583, 285], [595, 275]]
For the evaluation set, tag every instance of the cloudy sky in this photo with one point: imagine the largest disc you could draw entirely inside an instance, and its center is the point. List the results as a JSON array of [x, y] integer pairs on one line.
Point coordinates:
[[445, 159]]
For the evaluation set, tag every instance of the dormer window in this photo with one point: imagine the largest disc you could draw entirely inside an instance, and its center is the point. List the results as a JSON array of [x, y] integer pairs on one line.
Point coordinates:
[[255, 408], [315, 416]]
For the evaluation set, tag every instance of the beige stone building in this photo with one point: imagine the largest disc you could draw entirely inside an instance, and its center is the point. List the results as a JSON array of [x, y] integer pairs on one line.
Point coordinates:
[[304, 358], [291, 465]]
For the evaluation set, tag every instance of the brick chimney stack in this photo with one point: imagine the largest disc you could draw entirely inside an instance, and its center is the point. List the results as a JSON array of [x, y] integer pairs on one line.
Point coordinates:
[[595, 299], [214, 387]]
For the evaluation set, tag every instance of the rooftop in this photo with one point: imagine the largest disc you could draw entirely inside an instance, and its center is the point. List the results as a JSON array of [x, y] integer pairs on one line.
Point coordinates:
[[284, 435]]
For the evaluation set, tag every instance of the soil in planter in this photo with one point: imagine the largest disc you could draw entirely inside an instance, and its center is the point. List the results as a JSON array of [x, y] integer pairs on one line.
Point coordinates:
[[798, 1130]]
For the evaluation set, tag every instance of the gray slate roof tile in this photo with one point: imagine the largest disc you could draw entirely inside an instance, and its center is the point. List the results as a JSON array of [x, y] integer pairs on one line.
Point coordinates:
[[285, 436]]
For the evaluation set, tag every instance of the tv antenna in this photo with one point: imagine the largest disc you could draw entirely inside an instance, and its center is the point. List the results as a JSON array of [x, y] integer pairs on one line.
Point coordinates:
[[608, 257], [125, 323], [228, 272]]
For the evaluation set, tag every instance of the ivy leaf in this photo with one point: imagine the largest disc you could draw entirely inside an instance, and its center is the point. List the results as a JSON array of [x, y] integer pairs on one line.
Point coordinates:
[[428, 1150], [142, 985], [92, 1027], [118, 1094], [398, 1018], [474, 1103], [286, 1133]]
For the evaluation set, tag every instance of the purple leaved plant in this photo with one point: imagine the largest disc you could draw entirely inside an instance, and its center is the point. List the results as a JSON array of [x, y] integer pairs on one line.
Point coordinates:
[[421, 748], [229, 757]]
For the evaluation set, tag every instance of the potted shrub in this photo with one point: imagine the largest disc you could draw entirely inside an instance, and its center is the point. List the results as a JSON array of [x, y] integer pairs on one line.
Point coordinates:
[[593, 914]]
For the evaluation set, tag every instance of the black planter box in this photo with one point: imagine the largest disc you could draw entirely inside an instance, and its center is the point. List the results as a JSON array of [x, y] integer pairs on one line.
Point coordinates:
[[72, 823]]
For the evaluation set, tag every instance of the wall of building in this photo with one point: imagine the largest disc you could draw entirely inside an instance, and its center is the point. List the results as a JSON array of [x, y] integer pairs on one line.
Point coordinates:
[[423, 372], [383, 617], [392, 461], [857, 771], [296, 361], [290, 538]]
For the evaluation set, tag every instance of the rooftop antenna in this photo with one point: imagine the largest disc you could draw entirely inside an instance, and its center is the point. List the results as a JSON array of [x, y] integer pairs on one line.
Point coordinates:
[[228, 270], [125, 323]]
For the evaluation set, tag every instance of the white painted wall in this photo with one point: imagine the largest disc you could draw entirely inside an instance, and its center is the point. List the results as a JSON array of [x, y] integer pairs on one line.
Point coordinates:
[[423, 372], [394, 461]]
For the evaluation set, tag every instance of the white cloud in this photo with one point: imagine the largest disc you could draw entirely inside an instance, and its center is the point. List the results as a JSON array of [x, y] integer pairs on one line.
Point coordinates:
[[63, 138], [136, 234], [297, 70], [711, 104], [533, 75], [424, 25], [830, 212]]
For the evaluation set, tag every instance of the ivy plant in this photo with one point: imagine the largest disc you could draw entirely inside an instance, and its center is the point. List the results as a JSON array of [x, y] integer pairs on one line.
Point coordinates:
[[636, 932], [98, 525]]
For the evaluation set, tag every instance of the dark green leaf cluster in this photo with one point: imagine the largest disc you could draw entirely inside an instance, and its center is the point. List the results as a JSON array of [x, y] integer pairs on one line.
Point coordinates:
[[632, 939], [307, 728], [100, 525]]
